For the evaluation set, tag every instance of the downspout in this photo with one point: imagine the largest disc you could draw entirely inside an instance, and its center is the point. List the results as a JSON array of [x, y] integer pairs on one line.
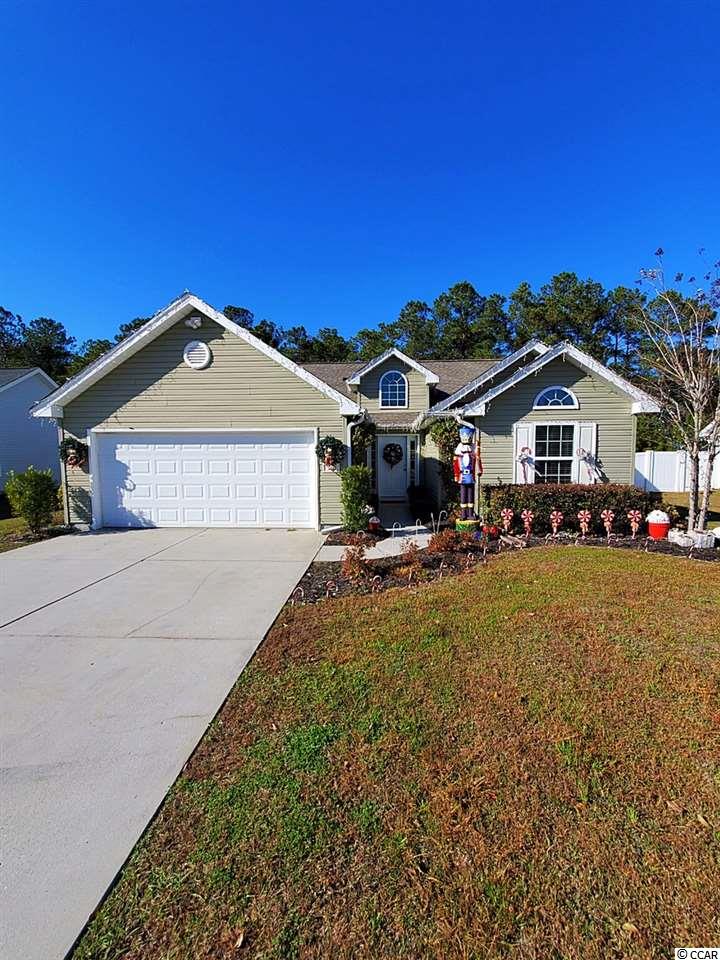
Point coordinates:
[[63, 476]]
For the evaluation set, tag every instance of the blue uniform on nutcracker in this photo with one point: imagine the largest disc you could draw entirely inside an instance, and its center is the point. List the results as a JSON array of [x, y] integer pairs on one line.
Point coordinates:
[[466, 469]]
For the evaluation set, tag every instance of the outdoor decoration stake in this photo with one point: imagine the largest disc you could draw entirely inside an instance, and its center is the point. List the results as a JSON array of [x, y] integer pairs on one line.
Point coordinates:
[[525, 457], [584, 518], [331, 588], [507, 518], [607, 518], [556, 519], [635, 518], [376, 583], [298, 594], [527, 517]]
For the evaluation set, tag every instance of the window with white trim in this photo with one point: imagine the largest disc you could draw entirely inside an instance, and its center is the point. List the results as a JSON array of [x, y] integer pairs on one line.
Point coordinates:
[[556, 397], [393, 389], [554, 451]]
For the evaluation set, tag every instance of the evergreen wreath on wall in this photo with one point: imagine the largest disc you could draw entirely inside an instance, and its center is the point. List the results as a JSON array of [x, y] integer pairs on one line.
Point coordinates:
[[73, 453], [330, 452]]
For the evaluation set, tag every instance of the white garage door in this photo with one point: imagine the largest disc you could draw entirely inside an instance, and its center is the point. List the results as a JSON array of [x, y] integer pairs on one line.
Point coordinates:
[[206, 479]]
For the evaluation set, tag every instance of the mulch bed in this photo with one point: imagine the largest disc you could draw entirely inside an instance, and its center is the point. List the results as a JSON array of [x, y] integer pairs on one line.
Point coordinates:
[[341, 538], [324, 580]]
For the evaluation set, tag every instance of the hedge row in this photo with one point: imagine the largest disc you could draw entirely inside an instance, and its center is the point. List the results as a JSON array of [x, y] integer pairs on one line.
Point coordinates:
[[542, 499]]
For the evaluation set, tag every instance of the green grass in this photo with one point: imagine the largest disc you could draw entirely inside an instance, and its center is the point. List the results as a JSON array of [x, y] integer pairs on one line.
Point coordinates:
[[681, 500], [523, 761]]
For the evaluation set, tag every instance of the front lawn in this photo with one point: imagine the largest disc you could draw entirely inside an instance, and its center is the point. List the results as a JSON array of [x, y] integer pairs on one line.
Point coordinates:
[[521, 761], [14, 532]]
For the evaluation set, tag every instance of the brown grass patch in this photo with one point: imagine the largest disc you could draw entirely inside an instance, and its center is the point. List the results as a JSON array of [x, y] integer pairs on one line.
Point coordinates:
[[521, 762]]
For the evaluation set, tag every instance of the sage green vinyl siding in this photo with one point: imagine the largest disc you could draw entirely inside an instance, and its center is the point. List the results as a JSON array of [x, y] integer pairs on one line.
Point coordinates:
[[241, 388], [369, 393], [430, 475], [600, 403]]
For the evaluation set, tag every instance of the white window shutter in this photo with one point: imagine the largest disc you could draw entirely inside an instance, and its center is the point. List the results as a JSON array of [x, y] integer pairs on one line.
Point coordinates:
[[523, 438], [586, 441]]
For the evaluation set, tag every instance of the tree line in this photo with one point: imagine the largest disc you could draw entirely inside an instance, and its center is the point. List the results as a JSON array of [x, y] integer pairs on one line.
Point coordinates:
[[460, 323]]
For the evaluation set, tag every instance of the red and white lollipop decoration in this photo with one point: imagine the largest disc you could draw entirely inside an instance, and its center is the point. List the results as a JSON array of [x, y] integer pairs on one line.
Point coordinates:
[[527, 517], [507, 518], [635, 518], [584, 519], [556, 521], [607, 518]]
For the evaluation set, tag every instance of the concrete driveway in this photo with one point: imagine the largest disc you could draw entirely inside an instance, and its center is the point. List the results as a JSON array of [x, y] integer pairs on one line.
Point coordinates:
[[116, 650]]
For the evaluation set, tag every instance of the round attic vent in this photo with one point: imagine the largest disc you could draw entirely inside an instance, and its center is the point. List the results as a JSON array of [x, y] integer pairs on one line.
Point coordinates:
[[197, 354]]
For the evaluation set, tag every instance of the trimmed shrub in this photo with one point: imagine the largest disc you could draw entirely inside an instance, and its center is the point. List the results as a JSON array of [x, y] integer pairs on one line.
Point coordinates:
[[543, 498], [32, 496], [355, 494]]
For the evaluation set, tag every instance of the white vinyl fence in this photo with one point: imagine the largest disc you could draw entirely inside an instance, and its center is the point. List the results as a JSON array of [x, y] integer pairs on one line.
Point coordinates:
[[669, 471]]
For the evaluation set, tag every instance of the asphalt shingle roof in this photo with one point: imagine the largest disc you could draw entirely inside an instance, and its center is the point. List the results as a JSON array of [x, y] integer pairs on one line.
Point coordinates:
[[8, 374], [453, 374]]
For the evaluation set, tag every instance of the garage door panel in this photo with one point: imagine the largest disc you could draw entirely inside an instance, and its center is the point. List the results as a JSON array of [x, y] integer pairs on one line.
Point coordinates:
[[190, 482]]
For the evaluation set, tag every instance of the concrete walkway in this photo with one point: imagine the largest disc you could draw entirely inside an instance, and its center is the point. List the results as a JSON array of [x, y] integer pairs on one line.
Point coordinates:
[[116, 650], [390, 547]]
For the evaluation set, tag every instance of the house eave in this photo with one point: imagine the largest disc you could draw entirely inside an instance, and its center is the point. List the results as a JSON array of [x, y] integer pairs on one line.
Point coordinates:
[[162, 320], [430, 377]]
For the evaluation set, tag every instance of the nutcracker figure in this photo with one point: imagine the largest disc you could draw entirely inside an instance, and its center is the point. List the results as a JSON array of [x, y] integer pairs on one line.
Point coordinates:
[[467, 468]]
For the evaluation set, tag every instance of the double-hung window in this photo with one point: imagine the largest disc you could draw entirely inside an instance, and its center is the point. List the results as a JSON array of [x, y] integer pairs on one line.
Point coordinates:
[[554, 450]]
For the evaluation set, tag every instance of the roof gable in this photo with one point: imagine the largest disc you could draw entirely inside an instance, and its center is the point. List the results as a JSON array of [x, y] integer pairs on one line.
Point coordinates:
[[14, 376], [182, 307], [430, 377], [642, 402], [489, 374]]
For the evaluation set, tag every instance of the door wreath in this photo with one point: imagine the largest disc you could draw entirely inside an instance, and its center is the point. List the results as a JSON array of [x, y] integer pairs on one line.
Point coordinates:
[[392, 454]]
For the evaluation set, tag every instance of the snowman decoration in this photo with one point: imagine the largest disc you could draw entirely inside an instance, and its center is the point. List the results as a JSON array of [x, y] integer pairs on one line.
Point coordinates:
[[466, 468]]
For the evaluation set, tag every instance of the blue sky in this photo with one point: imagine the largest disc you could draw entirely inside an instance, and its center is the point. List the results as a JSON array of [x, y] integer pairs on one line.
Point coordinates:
[[324, 163]]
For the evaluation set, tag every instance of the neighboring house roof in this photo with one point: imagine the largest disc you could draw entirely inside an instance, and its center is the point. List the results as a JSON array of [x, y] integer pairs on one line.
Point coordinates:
[[491, 370], [451, 374], [12, 376], [642, 402], [183, 305], [430, 377]]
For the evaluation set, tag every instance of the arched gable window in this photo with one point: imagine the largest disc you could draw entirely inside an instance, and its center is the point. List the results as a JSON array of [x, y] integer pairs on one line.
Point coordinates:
[[393, 389], [555, 397]]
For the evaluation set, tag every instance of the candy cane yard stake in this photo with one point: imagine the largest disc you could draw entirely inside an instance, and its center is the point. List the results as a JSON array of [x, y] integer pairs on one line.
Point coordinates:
[[527, 517], [584, 518], [556, 519], [507, 518], [607, 518], [635, 518]]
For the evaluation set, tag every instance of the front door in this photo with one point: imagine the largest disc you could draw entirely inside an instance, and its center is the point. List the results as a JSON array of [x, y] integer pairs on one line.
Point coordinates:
[[392, 466]]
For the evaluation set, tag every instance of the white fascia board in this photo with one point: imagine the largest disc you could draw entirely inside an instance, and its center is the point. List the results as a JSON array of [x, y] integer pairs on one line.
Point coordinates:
[[532, 345], [35, 372], [642, 402], [430, 377], [165, 318]]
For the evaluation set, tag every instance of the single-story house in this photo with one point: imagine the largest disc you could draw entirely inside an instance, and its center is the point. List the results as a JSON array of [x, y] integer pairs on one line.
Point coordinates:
[[193, 421], [25, 441]]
